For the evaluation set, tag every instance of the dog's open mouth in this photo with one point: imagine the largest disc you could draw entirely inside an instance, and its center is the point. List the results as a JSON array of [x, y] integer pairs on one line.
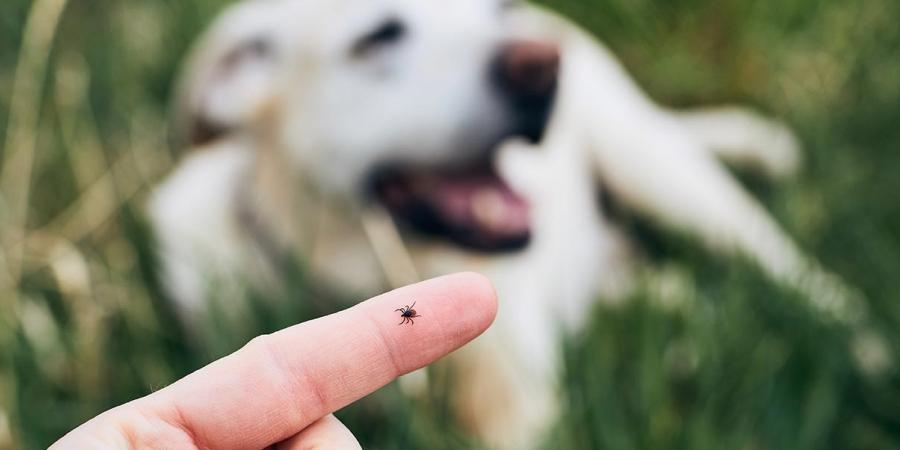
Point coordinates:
[[471, 206]]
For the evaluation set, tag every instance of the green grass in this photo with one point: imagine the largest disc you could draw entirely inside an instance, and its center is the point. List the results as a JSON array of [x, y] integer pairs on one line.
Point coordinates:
[[722, 360]]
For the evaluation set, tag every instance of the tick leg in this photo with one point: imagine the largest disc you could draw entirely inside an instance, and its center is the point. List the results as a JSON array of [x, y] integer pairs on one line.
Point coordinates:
[[402, 321], [413, 305]]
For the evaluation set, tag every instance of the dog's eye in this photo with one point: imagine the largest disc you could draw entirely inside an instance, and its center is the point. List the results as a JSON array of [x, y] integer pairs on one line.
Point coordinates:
[[256, 48], [387, 33]]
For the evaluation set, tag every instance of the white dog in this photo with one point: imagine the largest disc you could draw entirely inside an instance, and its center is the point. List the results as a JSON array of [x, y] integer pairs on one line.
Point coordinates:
[[483, 129]]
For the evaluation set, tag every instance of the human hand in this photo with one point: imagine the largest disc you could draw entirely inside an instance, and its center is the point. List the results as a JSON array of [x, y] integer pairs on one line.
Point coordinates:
[[280, 389]]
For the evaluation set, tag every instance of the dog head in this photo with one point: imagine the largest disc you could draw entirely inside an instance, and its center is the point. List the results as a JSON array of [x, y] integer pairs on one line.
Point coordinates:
[[400, 102]]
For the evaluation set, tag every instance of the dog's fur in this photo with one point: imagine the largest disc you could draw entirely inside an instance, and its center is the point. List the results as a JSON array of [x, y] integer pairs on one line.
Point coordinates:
[[291, 127]]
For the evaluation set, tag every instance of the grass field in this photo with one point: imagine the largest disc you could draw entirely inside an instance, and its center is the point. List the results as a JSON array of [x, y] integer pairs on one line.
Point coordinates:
[[706, 355]]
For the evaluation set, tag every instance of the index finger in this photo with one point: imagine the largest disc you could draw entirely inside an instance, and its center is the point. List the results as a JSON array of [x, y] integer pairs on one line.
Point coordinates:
[[280, 383]]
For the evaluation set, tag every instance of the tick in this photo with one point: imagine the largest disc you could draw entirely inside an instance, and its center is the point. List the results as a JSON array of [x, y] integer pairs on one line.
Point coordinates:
[[408, 314]]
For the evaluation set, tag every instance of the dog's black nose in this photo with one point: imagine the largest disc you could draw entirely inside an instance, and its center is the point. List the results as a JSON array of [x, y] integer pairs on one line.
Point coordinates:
[[528, 69], [527, 73]]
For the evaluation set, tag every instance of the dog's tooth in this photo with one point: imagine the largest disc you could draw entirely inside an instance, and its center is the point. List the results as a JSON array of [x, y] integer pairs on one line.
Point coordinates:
[[489, 208]]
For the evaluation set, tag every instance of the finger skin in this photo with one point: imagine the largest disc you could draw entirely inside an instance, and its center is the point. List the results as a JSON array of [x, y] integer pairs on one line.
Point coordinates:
[[279, 384], [327, 433]]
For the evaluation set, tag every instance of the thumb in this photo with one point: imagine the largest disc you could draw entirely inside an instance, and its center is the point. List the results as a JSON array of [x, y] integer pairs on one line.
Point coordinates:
[[327, 433]]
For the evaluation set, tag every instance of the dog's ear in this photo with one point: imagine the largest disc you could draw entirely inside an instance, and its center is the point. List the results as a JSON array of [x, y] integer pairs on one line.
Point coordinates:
[[230, 77], [237, 89]]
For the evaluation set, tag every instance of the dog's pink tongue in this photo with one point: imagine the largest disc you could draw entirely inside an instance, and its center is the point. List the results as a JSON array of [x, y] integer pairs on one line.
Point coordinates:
[[482, 202]]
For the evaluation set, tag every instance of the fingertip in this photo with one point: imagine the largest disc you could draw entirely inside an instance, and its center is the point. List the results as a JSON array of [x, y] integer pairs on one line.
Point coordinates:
[[452, 310], [481, 295]]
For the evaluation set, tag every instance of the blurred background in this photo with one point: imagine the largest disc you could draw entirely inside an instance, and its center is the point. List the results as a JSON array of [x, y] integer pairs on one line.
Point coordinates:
[[705, 356]]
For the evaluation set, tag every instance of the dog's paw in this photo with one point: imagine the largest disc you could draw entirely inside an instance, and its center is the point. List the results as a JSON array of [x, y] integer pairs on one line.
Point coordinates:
[[522, 165], [779, 149], [745, 139]]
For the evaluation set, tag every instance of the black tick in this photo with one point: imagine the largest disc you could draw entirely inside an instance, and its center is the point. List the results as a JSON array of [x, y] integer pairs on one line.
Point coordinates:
[[408, 314]]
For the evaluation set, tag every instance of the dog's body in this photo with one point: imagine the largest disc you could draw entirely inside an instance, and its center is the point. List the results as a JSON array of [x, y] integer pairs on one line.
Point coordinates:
[[269, 182]]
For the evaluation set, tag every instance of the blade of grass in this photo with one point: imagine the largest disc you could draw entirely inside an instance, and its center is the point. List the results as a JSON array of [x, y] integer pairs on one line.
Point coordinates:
[[18, 155], [24, 115]]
